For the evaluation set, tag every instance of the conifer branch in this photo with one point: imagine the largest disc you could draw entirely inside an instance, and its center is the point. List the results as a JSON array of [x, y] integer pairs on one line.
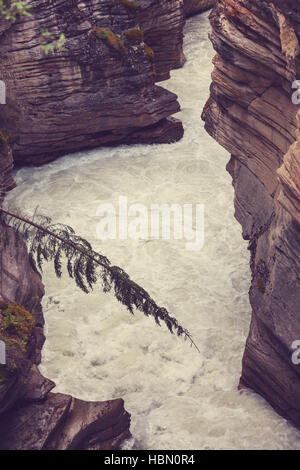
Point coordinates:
[[49, 242]]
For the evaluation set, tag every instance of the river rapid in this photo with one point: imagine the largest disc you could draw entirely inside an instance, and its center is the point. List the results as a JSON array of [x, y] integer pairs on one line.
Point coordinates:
[[95, 350]]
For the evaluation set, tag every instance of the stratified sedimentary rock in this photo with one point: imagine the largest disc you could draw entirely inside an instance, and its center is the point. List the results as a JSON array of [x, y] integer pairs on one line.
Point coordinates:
[[191, 7], [98, 90], [6, 166], [250, 113], [163, 22]]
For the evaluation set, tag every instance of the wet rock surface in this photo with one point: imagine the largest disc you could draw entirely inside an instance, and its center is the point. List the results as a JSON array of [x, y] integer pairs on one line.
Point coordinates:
[[250, 113], [100, 89], [191, 7]]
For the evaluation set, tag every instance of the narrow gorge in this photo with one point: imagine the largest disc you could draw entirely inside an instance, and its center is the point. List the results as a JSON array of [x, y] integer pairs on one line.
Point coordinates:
[[88, 124], [251, 113]]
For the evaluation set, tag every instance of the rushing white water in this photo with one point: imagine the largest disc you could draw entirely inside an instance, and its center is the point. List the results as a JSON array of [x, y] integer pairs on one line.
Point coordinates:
[[95, 350]]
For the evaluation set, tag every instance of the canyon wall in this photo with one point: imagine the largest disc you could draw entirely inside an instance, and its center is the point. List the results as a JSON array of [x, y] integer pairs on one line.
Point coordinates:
[[6, 165], [100, 89], [250, 112], [191, 7]]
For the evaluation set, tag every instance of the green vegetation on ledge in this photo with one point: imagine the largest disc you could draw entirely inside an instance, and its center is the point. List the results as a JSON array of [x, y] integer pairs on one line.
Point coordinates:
[[134, 35], [111, 38], [149, 51], [17, 323], [132, 5], [16, 329]]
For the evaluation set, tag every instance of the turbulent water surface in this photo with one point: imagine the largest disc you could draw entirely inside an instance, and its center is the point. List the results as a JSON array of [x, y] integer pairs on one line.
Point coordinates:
[[95, 350]]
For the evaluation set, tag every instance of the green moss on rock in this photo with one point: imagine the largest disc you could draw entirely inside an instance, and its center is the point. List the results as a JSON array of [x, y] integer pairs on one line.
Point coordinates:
[[132, 5], [134, 35], [149, 51], [16, 329], [111, 38], [17, 323], [5, 135]]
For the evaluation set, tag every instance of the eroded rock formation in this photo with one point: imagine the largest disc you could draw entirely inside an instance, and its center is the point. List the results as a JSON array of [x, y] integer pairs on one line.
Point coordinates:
[[100, 89], [191, 7], [6, 166], [250, 113]]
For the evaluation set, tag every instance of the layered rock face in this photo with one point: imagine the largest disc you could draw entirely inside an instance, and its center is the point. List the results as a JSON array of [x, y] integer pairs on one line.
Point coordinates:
[[6, 166], [191, 7], [163, 22], [100, 89], [250, 112]]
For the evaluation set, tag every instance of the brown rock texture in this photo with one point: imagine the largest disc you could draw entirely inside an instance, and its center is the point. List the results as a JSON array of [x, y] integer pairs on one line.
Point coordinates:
[[31, 416], [6, 166], [191, 7], [251, 114], [99, 90], [163, 22]]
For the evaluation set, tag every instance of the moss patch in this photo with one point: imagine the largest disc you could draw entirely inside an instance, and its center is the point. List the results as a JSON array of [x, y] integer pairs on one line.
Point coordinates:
[[5, 374], [17, 323], [111, 38], [5, 135], [132, 5], [16, 329], [134, 35], [149, 51]]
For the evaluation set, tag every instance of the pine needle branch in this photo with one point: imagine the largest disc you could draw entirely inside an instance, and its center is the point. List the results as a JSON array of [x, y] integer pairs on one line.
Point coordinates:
[[49, 242]]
